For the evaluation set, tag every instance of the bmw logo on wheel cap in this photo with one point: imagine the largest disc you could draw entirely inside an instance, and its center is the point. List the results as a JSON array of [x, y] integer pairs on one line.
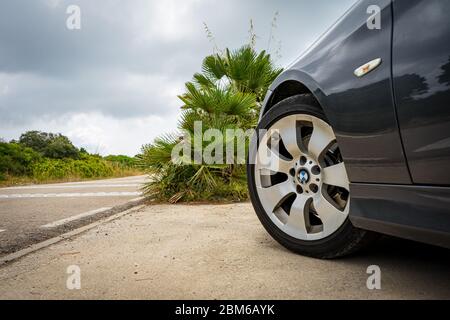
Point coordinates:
[[303, 176]]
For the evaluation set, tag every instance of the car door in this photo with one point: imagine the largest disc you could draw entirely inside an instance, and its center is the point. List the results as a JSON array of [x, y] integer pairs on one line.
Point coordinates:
[[421, 77]]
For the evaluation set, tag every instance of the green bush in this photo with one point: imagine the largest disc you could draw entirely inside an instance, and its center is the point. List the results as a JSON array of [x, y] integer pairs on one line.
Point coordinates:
[[50, 145], [122, 161], [56, 160], [197, 183], [87, 168], [16, 160]]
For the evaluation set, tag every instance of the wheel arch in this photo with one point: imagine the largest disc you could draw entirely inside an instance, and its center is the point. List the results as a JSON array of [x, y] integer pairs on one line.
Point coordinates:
[[291, 83]]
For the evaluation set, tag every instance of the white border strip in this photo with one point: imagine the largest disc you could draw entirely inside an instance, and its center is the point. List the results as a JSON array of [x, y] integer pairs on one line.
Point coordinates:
[[69, 195], [1, 230], [77, 217], [80, 186], [124, 180]]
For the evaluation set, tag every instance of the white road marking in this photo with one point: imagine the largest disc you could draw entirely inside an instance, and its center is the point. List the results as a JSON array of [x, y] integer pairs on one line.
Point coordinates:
[[1, 230], [77, 217], [93, 182], [75, 186], [19, 254], [127, 180], [69, 195]]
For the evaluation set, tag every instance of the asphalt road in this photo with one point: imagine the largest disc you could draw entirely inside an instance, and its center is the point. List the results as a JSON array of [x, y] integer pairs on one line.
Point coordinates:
[[215, 252], [31, 214]]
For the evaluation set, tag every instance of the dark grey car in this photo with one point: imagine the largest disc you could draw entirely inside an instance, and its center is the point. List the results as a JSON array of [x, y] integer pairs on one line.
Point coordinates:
[[359, 129]]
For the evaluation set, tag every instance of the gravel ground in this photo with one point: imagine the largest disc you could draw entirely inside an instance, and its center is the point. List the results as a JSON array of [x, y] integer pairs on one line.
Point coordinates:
[[216, 252]]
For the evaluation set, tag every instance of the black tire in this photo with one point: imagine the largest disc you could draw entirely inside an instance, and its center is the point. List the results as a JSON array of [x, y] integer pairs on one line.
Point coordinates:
[[345, 240]]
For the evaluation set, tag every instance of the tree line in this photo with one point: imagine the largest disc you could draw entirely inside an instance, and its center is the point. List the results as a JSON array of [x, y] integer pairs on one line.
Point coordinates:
[[41, 156]]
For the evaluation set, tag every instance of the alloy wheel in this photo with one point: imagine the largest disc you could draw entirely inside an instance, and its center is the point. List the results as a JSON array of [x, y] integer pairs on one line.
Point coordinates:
[[301, 179]]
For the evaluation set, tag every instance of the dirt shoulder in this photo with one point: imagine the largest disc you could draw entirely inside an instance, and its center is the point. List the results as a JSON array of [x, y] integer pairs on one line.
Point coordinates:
[[215, 252]]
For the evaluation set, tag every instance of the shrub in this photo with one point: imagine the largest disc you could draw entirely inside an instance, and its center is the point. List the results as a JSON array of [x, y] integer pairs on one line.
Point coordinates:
[[122, 161], [20, 164], [54, 146], [87, 168], [226, 95], [197, 183], [16, 159]]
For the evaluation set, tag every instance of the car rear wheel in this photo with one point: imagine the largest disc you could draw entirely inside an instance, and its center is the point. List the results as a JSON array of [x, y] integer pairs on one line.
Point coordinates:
[[299, 184]]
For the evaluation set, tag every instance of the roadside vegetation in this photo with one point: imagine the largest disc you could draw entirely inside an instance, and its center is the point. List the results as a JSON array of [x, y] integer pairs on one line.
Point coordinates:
[[226, 94], [39, 157]]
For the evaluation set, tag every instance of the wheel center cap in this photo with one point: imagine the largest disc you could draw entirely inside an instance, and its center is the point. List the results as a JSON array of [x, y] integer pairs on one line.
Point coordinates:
[[303, 176]]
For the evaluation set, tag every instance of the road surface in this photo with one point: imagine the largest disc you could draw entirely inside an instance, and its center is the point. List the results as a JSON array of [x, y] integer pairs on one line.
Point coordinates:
[[35, 213], [184, 252], [215, 252]]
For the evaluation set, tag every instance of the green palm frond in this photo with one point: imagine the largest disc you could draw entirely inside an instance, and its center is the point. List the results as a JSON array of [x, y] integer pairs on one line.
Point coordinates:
[[244, 69], [216, 100], [204, 81], [158, 154], [203, 178], [214, 67]]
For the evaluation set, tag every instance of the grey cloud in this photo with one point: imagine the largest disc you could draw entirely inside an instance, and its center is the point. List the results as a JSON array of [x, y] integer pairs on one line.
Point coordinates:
[[131, 58]]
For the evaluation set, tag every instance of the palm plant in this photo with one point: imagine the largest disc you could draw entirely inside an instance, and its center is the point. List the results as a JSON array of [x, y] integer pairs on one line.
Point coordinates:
[[225, 95], [244, 70]]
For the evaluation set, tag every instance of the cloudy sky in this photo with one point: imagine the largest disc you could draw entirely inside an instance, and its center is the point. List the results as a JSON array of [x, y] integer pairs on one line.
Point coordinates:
[[112, 86]]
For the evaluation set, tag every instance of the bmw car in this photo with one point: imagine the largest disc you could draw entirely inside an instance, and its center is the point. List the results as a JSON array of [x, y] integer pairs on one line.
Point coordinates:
[[357, 134]]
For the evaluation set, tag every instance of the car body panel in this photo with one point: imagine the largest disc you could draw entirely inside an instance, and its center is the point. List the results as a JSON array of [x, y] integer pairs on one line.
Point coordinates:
[[419, 213], [421, 71], [363, 119], [372, 130]]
